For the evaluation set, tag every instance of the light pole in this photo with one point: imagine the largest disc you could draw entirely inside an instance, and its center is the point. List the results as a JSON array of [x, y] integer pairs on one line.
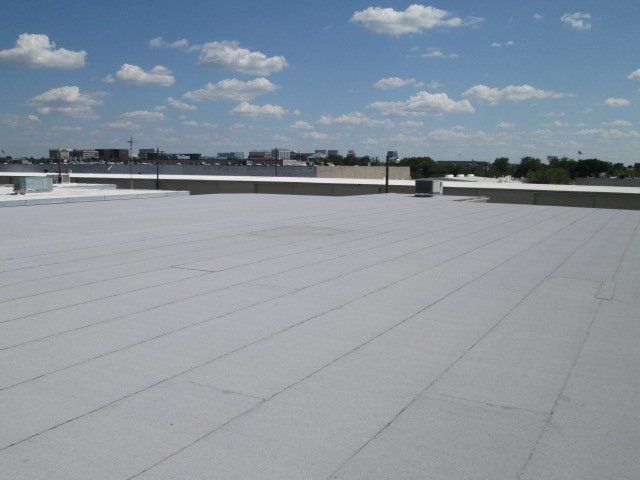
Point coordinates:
[[158, 168]]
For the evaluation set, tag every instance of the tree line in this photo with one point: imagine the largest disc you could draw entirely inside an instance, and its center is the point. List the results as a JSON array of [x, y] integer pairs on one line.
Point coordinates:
[[559, 170]]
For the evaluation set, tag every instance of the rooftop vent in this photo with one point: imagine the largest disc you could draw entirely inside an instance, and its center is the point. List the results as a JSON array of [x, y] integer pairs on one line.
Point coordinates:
[[428, 188]]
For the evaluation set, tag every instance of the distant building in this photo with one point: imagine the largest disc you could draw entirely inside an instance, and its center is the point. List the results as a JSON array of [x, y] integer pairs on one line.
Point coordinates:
[[392, 156], [260, 155], [281, 154], [322, 152], [113, 154], [333, 153], [59, 154], [83, 153], [144, 153], [230, 155]]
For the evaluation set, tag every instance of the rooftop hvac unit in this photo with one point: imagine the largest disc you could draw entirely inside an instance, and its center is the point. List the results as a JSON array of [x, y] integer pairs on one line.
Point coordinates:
[[428, 188]]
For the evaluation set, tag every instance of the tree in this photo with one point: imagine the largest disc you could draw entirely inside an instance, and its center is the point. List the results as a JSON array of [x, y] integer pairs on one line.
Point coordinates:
[[592, 167], [421, 167], [549, 175], [527, 164], [502, 166]]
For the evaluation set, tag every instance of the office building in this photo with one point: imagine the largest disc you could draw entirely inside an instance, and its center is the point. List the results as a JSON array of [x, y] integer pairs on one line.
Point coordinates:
[[281, 154], [392, 156], [83, 153], [113, 154], [59, 154]]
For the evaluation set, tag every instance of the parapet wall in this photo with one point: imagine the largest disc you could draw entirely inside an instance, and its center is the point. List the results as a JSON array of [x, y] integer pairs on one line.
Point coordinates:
[[371, 173]]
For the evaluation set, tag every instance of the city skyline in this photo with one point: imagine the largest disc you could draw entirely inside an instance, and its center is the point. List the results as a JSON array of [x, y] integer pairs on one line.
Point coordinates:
[[446, 80]]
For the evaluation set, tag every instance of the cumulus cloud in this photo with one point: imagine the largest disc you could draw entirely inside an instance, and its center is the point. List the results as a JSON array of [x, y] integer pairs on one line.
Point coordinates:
[[267, 110], [67, 100], [158, 75], [122, 125], [193, 123], [412, 124], [301, 125], [512, 93], [424, 103], [617, 102], [437, 53], [618, 123], [577, 20], [396, 82], [496, 45], [634, 75], [506, 125], [459, 134], [355, 118], [159, 42], [180, 105], [315, 135], [36, 50], [537, 16], [229, 55], [18, 121], [608, 134], [232, 89], [143, 115], [415, 19]]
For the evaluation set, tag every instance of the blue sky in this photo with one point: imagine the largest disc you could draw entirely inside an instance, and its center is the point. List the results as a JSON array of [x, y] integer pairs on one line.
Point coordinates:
[[471, 79]]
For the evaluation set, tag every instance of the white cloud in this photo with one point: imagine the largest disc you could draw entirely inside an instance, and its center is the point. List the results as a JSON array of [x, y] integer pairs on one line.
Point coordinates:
[[67, 100], [158, 75], [396, 82], [280, 138], [577, 20], [267, 110], [618, 123], [159, 42], [412, 124], [446, 134], [143, 115], [122, 125], [510, 43], [232, 89], [315, 135], [537, 16], [437, 53], [230, 55], [608, 134], [459, 134], [193, 123], [180, 105], [301, 125], [634, 75], [496, 45], [424, 103], [236, 127], [36, 50], [506, 125], [65, 129], [18, 121], [415, 19], [402, 138], [617, 102], [355, 118], [512, 93]]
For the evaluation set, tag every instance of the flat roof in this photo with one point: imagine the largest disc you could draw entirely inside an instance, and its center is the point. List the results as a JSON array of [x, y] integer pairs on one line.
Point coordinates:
[[78, 192], [463, 182], [366, 337]]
